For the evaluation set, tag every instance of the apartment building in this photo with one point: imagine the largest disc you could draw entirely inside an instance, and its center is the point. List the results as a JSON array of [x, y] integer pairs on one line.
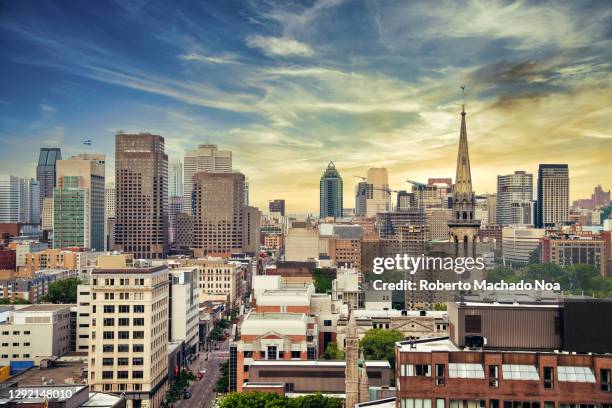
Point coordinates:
[[218, 278], [35, 332], [184, 312], [129, 334]]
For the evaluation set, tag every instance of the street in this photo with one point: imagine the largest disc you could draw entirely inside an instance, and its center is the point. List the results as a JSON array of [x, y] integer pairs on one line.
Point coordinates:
[[203, 391]]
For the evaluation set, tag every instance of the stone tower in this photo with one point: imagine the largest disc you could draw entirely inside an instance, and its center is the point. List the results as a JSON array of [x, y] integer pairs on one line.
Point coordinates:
[[356, 378], [463, 226]]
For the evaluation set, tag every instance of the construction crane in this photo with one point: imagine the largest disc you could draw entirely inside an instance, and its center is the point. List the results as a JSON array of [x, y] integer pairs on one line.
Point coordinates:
[[388, 191], [421, 188], [362, 178]]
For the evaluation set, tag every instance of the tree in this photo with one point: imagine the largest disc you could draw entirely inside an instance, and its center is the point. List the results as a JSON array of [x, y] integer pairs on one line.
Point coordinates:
[[440, 306], [62, 291], [332, 352], [222, 385], [534, 257], [16, 301], [323, 278], [379, 344], [273, 400]]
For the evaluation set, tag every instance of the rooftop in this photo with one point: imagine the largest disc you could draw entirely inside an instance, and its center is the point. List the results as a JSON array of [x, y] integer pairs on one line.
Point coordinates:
[[316, 363], [101, 400], [58, 374], [45, 307]]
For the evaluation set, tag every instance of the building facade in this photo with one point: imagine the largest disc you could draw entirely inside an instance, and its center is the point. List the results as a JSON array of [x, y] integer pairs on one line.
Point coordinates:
[[45, 170], [141, 177], [218, 209], [330, 193], [514, 190], [553, 195], [129, 334]]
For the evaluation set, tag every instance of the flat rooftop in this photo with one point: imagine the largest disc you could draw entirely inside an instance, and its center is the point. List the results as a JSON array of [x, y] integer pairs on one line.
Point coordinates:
[[46, 307], [515, 304], [275, 316], [316, 363], [57, 374], [101, 400]]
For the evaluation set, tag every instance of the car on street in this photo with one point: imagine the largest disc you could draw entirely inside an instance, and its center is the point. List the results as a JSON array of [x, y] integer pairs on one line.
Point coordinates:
[[187, 394]]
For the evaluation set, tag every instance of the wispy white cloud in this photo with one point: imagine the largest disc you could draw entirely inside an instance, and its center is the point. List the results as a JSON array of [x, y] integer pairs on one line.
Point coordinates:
[[225, 59], [279, 46]]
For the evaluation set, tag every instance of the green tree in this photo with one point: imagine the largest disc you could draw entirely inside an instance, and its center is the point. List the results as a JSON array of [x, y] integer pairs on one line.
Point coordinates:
[[500, 273], [272, 400], [534, 257], [323, 278], [17, 301], [332, 352], [379, 344], [62, 291], [222, 385], [440, 306]]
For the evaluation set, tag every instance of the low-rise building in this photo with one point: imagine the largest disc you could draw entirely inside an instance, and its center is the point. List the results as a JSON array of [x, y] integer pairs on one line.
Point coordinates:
[[518, 242], [184, 308], [218, 278], [33, 333]]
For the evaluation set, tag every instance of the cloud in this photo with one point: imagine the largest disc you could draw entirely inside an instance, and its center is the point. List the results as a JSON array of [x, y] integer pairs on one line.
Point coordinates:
[[279, 46], [47, 110], [227, 59]]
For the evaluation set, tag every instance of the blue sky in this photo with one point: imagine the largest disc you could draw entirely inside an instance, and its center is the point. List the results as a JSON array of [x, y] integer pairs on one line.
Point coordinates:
[[289, 86]]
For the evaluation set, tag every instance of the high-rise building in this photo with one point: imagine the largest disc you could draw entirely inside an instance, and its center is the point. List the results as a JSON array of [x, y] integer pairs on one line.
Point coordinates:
[[251, 236], [110, 214], [175, 206], [19, 200], [330, 193], [553, 195], [277, 206], [206, 158], [379, 199], [78, 202], [129, 334], [463, 225], [361, 199], [513, 190], [184, 231], [405, 201], [45, 170], [141, 177], [46, 217], [218, 200], [175, 178]]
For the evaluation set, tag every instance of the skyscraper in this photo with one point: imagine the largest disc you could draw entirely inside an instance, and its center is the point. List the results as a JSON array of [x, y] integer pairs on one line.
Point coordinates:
[[553, 195], [277, 206], [45, 170], [175, 179], [330, 193], [78, 202], [175, 206], [361, 198], [141, 178], [110, 204], [19, 200], [218, 200], [514, 191], [463, 225], [205, 158], [379, 197]]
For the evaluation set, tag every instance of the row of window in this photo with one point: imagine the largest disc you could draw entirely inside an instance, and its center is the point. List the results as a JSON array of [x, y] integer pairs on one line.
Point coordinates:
[[109, 375], [15, 356], [121, 348], [15, 333], [25, 344], [122, 309], [494, 403], [510, 372], [122, 334], [122, 321], [122, 361]]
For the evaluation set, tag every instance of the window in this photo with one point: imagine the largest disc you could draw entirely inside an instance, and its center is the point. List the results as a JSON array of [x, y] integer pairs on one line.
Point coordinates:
[[295, 354], [138, 308], [415, 403], [415, 370], [520, 372], [138, 335], [123, 361], [124, 335], [327, 323], [109, 322], [248, 354], [271, 352], [107, 375], [123, 348], [122, 374], [605, 374], [493, 376], [465, 370], [138, 348], [137, 361], [109, 335], [109, 309], [440, 374], [26, 332], [108, 361], [472, 324], [138, 321], [575, 374], [137, 374], [124, 321], [493, 403], [467, 404], [108, 348], [26, 344], [440, 403], [311, 353], [521, 404], [124, 308], [548, 377]]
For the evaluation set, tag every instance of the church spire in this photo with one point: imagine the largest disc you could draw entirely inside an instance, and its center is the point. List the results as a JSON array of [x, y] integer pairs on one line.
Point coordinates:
[[463, 177]]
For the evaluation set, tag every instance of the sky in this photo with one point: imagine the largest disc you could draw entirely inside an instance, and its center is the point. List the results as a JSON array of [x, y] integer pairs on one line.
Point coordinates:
[[289, 86]]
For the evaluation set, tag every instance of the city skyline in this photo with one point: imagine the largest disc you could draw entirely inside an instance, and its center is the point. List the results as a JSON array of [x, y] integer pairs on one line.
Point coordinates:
[[378, 88]]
